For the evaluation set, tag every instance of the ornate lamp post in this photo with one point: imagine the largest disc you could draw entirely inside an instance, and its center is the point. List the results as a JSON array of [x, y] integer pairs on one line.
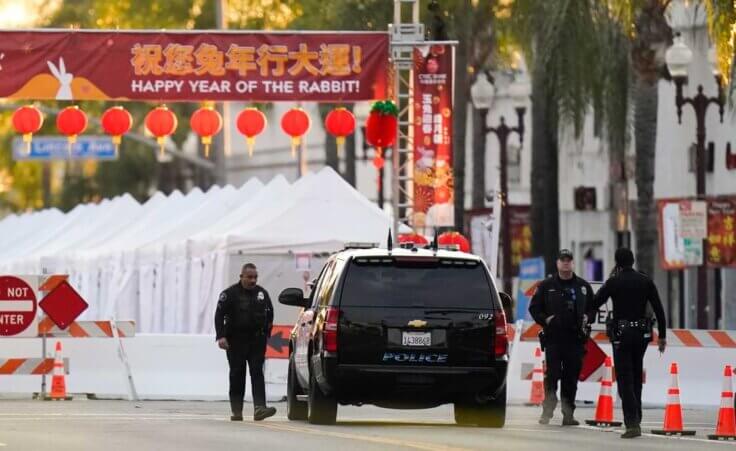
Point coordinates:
[[678, 58], [482, 93]]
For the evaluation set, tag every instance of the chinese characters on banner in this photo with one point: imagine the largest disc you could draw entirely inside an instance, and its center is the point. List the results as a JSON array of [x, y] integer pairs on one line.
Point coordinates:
[[163, 66], [684, 224], [721, 244], [433, 180], [521, 235]]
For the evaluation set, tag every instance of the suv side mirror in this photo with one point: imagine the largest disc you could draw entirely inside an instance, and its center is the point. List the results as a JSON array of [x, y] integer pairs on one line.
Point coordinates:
[[294, 297]]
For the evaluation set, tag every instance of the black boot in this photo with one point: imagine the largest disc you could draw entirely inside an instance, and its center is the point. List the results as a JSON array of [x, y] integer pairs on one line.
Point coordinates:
[[632, 432], [262, 412], [569, 420], [237, 408]]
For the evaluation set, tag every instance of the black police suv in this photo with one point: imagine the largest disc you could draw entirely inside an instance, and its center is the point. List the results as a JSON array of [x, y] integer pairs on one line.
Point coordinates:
[[401, 328]]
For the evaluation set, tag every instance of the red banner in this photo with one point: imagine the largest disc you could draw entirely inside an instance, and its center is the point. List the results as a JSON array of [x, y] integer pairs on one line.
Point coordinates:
[[433, 180], [521, 235], [721, 242], [191, 66]]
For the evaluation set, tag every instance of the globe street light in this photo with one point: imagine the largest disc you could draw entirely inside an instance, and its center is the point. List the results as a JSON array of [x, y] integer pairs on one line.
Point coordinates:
[[678, 58], [482, 94]]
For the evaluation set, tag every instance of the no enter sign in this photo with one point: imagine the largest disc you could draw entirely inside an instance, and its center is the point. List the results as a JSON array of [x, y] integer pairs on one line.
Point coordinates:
[[17, 308]]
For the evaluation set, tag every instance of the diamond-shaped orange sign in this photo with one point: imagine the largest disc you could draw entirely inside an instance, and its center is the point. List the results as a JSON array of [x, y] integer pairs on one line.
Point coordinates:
[[63, 305]]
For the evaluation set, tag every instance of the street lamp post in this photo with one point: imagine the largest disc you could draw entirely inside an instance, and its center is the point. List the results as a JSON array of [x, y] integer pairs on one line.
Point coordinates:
[[678, 59], [482, 93]]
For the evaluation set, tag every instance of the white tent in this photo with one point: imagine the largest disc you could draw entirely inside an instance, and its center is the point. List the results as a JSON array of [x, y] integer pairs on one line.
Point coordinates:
[[164, 263]]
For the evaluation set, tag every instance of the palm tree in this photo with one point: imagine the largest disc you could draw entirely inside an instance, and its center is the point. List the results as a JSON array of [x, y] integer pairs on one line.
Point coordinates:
[[650, 38], [722, 25], [564, 64]]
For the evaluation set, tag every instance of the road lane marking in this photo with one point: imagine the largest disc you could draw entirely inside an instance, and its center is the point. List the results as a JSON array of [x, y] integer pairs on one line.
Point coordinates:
[[364, 438], [665, 437]]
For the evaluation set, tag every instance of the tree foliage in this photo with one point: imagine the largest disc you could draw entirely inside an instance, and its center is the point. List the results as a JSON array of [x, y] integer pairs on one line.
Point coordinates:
[[722, 25]]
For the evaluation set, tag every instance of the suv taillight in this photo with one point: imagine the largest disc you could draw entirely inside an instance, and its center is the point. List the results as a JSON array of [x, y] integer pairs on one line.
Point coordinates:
[[329, 334], [500, 337]]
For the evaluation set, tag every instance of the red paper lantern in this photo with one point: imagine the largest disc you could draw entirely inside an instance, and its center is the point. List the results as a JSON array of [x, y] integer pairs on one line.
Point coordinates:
[[27, 120], [161, 122], [380, 129], [295, 123], [381, 126], [206, 122], [454, 238], [251, 123], [116, 122], [71, 121], [340, 123], [413, 238]]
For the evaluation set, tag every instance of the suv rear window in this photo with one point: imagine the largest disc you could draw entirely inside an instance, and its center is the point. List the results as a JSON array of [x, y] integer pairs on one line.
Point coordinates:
[[427, 283]]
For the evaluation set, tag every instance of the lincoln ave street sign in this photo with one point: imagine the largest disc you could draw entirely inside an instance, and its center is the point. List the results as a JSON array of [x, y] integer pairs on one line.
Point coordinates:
[[57, 148]]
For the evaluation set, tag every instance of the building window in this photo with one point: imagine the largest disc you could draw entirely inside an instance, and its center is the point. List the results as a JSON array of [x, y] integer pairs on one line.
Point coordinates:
[[585, 198]]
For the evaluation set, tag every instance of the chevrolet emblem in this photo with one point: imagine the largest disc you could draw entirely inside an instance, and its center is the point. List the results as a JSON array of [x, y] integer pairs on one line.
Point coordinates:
[[417, 323]]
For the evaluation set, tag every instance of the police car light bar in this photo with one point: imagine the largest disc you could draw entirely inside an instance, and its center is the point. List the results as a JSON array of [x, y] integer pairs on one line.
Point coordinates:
[[450, 247], [358, 245]]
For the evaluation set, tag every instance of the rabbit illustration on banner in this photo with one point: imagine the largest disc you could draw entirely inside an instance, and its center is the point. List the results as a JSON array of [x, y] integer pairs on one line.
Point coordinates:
[[426, 160], [65, 80]]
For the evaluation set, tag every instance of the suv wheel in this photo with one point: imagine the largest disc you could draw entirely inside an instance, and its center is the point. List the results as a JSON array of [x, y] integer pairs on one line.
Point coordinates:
[[295, 410], [322, 408], [491, 414]]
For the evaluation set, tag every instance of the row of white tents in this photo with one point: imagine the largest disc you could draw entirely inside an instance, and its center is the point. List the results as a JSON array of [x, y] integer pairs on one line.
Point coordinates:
[[163, 263]]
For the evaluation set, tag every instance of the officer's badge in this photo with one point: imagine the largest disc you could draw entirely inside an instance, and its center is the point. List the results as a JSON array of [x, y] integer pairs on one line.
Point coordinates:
[[584, 290], [261, 296]]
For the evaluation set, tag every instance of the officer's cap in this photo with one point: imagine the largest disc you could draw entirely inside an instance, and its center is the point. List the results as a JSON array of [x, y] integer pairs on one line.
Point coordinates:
[[564, 254]]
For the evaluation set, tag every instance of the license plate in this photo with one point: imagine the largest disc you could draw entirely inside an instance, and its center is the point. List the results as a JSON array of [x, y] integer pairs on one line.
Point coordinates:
[[416, 339]]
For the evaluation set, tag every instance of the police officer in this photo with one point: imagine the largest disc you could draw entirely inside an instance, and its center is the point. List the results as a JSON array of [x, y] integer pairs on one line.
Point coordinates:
[[243, 322], [558, 305], [630, 331]]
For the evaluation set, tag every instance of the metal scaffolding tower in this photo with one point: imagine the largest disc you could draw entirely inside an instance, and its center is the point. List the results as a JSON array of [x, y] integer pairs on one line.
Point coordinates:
[[406, 32]]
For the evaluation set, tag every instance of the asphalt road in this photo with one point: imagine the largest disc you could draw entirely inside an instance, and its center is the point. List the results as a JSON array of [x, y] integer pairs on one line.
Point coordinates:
[[182, 425]]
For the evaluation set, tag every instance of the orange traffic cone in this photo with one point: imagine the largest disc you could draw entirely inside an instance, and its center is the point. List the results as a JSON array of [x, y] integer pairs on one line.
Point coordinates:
[[726, 427], [536, 396], [58, 382], [604, 410], [673, 410]]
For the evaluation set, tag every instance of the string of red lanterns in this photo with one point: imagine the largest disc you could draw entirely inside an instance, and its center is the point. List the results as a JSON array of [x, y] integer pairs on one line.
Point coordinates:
[[207, 122]]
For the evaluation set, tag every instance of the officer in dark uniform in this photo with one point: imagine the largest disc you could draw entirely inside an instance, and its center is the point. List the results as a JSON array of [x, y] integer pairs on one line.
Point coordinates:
[[630, 331], [558, 305], [243, 322]]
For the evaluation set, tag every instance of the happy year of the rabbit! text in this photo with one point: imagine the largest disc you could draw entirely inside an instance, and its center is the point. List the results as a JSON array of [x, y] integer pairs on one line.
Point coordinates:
[[246, 86]]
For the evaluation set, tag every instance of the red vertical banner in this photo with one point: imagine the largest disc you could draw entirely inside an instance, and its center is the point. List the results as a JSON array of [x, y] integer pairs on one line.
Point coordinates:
[[432, 103], [521, 235], [721, 242]]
